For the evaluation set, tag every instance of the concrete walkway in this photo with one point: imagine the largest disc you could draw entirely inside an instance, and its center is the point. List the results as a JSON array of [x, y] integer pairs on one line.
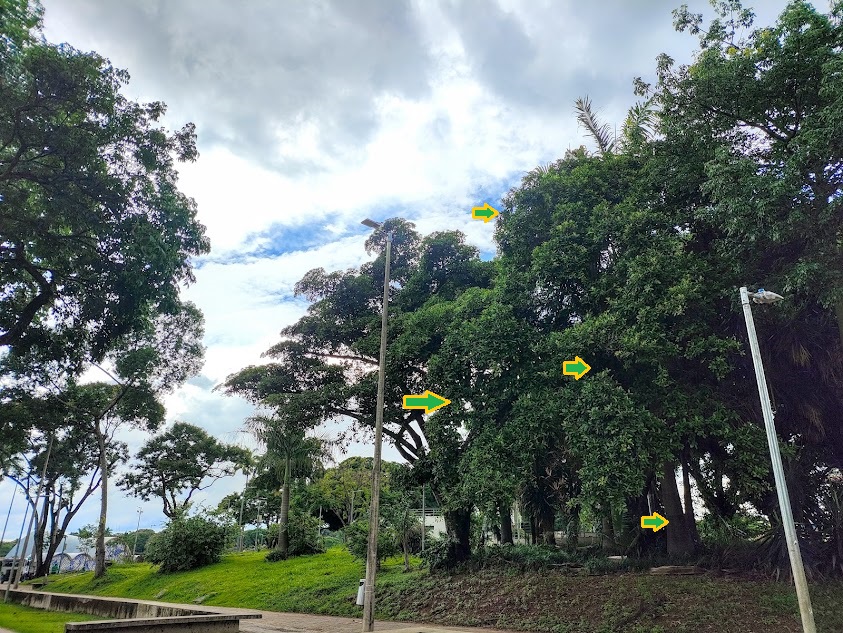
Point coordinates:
[[272, 621]]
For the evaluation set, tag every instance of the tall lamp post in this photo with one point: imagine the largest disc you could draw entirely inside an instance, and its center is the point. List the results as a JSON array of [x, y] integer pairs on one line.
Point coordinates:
[[805, 610], [374, 507], [137, 532]]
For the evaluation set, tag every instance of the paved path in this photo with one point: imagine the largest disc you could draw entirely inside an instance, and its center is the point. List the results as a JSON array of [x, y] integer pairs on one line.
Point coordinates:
[[272, 621]]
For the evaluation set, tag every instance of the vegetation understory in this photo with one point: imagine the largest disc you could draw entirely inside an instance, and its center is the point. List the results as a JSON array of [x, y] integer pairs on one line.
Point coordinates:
[[555, 599]]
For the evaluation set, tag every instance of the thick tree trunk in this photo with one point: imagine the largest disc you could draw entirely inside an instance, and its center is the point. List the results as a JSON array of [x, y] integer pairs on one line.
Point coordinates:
[[283, 535], [506, 523], [458, 524], [547, 527], [690, 520], [679, 541], [99, 564]]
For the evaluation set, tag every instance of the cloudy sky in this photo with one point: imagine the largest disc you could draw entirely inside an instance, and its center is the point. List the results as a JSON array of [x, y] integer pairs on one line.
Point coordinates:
[[314, 115]]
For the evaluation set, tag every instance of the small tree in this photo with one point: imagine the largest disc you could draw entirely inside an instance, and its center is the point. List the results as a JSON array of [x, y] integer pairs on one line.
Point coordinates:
[[178, 463], [290, 452], [186, 543], [357, 540]]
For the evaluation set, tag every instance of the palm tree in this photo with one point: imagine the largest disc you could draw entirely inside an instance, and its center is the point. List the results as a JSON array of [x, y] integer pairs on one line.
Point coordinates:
[[637, 128], [290, 451]]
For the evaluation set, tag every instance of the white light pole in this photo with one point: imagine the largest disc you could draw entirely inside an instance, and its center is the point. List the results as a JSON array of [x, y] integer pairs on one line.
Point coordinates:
[[805, 610], [137, 531], [374, 506]]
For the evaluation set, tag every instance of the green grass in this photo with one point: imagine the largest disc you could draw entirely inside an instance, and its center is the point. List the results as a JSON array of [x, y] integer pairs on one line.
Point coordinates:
[[551, 600], [325, 583], [22, 619]]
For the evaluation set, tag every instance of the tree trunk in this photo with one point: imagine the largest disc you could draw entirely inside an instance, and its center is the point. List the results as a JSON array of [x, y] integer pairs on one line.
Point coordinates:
[[283, 540], [548, 531], [99, 565], [458, 524], [572, 529], [690, 520], [679, 541], [506, 523], [838, 312], [608, 530], [405, 541]]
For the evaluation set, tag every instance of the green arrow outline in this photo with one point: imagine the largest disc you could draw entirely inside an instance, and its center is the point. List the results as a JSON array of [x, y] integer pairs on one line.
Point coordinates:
[[580, 368], [654, 522], [425, 397], [486, 213]]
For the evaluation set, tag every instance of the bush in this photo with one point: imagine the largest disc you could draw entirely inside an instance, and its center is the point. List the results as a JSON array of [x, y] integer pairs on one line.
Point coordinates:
[[302, 537], [186, 543], [357, 541], [438, 555]]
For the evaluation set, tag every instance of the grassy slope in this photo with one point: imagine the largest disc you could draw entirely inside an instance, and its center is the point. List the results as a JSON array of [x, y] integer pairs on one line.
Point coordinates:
[[25, 620], [535, 601]]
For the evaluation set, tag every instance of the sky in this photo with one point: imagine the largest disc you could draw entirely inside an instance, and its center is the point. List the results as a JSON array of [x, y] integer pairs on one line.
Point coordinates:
[[312, 116]]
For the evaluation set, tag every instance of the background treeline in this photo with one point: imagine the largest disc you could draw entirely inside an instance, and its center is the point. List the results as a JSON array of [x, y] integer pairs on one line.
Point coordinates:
[[726, 173]]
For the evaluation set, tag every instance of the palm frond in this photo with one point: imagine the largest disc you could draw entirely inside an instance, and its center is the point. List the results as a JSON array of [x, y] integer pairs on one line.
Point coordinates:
[[601, 133], [639, 123]]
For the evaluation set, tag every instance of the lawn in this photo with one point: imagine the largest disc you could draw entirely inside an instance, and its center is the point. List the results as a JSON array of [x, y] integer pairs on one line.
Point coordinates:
[[22, 619], [551, 600], [326, 583]]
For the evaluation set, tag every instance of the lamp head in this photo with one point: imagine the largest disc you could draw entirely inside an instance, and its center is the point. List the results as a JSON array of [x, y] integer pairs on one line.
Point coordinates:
[[765, 296], [371, 224]]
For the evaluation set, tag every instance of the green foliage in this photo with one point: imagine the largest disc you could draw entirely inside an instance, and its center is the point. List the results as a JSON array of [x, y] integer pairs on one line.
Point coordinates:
[[182, 460], [186, 543], [357, 541], [84, 166], [438, 555], [303, 535], [18, 18], [715, 530]]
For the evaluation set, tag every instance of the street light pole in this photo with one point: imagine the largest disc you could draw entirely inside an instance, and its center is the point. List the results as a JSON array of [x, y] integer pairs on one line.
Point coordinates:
[[374, 507], [137, 531], [796, 566]]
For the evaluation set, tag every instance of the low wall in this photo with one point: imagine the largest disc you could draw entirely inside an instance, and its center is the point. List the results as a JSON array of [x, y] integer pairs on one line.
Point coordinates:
[[132, 616], [182, 624]]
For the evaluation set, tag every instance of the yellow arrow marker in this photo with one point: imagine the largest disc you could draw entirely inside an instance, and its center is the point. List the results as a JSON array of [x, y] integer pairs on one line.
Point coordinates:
[[428, 401], [485, 213], [654, 522], [576, 368]]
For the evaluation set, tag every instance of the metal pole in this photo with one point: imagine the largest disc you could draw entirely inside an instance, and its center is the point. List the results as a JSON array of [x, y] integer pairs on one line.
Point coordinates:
[[32, 516], [805, 609], [242, 501], [15, 560], [374, 507], [8, 514], [137, 530], [424, 525]]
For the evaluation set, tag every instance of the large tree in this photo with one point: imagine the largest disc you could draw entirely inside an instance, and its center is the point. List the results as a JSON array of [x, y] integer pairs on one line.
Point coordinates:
[[326, 365], [180, 462], [93, 229]]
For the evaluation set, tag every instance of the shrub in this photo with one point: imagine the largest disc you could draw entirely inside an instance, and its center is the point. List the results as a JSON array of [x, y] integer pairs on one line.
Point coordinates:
[[438, 555], [302, 537], [186, 543], [357, 541]]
